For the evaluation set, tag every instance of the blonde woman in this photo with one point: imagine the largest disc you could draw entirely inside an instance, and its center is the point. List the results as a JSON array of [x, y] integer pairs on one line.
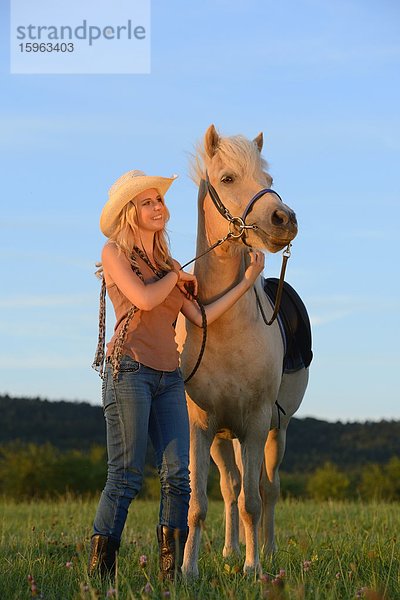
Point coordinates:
[[143, 391]]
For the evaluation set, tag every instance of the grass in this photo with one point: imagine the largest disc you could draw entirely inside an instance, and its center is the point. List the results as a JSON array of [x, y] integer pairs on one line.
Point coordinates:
[[326, 551]]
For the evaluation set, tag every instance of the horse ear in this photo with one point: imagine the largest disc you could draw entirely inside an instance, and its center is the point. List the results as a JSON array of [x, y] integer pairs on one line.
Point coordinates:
[[211, 140], [259, 140]]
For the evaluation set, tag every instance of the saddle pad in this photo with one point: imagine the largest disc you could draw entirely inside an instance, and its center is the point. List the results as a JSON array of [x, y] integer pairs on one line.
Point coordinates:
[[296, 325]]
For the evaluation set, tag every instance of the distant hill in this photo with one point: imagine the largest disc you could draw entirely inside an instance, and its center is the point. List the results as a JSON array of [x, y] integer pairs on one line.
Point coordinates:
[[310, 442], [66, 425]]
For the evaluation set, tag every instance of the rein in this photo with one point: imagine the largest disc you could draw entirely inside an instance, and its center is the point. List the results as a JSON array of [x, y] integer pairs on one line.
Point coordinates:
[[237, 228]]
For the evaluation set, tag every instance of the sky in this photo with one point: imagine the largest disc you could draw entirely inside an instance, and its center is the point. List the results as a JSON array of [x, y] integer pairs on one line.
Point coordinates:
[[320, 79]]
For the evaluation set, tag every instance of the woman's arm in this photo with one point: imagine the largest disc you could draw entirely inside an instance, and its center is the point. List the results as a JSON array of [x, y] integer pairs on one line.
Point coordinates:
[[187, 282], [225, 302], [144, 296]]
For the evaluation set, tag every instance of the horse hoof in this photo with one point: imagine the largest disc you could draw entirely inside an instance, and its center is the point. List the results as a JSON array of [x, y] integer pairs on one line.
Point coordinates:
[[190, 574], [253, 570]]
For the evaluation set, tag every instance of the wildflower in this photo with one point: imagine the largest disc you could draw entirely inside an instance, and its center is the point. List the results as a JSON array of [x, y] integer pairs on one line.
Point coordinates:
[[307, 565], [278, 580], [264, 578], [69, 564], [111, 593], [147, 588], [143, 561], [360, 593], [34, 588], [166, 594], [236, 569], [338, 575]]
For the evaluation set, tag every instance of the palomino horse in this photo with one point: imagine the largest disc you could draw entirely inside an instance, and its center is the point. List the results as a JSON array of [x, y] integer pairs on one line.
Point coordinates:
[[234, 391]]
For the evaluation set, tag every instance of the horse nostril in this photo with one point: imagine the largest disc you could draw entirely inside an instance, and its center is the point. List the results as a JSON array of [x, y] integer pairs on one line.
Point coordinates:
[[279, 218]]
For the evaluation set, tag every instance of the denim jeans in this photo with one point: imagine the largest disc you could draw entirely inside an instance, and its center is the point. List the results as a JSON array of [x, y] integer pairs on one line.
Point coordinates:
[[144, 402]]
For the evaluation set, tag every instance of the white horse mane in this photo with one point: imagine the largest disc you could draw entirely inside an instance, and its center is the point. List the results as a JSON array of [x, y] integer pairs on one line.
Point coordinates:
[[237, 152]]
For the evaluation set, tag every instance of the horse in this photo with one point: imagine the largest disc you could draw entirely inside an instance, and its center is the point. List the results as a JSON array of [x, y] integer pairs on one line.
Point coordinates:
[[234, 392]]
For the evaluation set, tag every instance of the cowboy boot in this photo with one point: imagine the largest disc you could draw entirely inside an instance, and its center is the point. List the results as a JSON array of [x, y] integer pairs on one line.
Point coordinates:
[[102, 556], [171, 543]]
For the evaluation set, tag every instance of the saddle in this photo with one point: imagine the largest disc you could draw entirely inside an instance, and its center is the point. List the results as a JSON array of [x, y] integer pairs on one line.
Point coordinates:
[[295, 326]]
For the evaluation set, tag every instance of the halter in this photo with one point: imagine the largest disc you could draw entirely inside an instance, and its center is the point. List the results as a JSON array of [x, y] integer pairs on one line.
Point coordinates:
[[237, 223]]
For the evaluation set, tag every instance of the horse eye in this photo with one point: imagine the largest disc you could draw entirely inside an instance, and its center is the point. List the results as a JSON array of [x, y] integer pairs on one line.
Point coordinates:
[[226, 179]]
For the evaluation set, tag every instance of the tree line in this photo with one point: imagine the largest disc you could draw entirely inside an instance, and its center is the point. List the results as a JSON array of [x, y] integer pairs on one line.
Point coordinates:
[[52, 448], [29, 471]]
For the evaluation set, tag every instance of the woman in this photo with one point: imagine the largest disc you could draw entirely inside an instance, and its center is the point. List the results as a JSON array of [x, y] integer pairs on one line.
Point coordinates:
[[143, 390]]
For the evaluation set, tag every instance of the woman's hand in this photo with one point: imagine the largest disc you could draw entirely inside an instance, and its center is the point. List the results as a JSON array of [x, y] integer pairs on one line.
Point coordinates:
[[187, 283], [218, 307], [255, 267]]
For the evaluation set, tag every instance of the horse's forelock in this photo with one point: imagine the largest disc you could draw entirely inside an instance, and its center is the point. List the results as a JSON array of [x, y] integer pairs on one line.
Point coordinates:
[[241, 155], [237, 152]]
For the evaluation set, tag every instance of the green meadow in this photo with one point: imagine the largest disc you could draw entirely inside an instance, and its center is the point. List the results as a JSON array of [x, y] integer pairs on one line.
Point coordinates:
[[326, 550]]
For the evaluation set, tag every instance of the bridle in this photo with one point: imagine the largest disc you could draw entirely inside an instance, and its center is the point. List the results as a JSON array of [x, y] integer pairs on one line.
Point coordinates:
[[237, 223], [237, 229]]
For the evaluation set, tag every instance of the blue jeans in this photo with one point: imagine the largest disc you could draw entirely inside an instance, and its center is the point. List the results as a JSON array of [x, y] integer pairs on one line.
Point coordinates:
[[144, 402]]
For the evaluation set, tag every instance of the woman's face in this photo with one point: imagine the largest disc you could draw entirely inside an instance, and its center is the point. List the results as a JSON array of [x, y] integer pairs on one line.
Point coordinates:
[[151, 211]]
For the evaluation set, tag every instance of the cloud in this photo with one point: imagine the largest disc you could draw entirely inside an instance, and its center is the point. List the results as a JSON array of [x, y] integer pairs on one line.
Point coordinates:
[[43, 362], [326, 309], [318, 320], [368, 234], [46, 301], [77, 328], [48, 257]]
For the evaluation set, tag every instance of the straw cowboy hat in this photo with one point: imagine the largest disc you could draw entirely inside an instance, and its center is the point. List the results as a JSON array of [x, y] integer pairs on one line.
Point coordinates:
[[124, 190]]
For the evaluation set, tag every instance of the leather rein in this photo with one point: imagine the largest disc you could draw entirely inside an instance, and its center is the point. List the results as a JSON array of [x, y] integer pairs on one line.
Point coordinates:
[[237, 229]]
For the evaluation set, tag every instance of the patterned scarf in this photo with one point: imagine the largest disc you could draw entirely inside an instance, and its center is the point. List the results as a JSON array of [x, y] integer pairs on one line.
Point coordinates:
[[116, 353]]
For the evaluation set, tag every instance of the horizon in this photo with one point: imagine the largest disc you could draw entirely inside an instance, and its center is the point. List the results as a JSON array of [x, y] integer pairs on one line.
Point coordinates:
[[295, 416]]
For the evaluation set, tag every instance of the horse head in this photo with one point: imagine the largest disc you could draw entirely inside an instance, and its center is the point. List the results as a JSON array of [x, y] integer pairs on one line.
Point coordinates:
[[234, 168]]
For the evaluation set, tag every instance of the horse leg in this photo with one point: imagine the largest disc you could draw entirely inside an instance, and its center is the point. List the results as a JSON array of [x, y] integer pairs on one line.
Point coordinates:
[[291, 392], [200, 443], [270, 485], [230, 482], [238, 460], [252, 450]]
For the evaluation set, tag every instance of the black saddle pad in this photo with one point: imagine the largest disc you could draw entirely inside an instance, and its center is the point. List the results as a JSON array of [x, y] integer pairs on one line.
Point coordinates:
[[296, 325]]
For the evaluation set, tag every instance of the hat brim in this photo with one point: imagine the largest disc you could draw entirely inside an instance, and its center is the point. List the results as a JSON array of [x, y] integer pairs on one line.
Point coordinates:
[[119, 197]]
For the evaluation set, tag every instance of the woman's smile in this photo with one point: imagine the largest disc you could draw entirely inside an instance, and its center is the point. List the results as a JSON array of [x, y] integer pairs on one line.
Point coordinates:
[[151, 209]]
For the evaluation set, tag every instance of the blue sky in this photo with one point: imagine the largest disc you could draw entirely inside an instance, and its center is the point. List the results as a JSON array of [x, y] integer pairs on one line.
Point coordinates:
[[320, 79]]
